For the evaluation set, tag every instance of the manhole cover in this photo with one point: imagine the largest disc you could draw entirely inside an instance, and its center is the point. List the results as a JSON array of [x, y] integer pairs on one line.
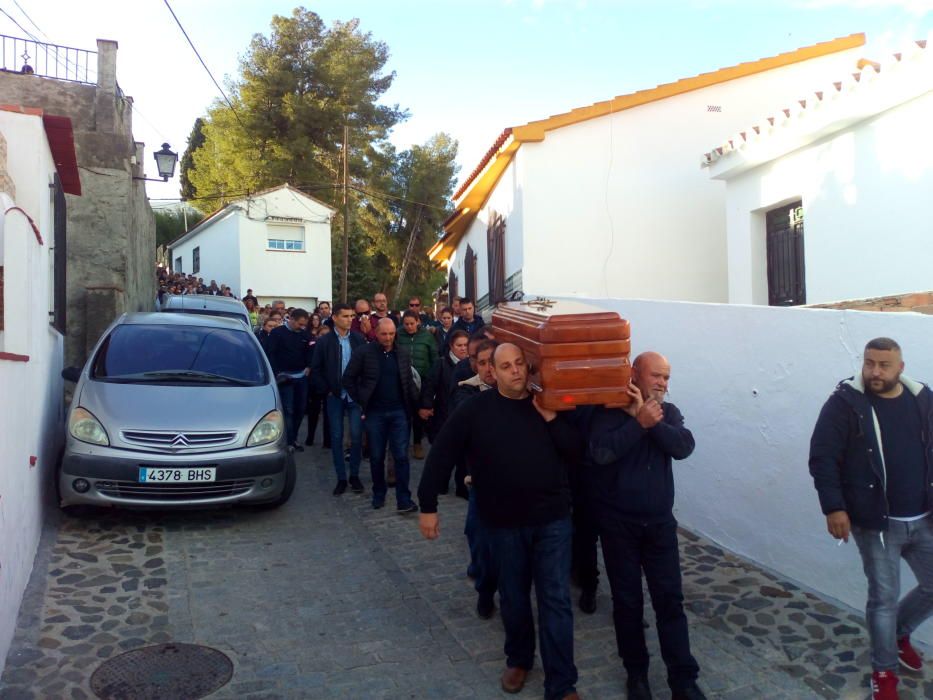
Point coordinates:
[[162, 671]]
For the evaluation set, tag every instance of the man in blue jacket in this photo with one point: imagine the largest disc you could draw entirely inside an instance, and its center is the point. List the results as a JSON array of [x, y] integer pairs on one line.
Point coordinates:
[[870, 458], [289, 352], [630, 483]]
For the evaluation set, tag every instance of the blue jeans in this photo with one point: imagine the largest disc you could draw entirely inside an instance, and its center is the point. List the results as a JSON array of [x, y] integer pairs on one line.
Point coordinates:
[[294, 395], [888, 619], [482, 567], [389, 428], [336, 408], [539, 555]]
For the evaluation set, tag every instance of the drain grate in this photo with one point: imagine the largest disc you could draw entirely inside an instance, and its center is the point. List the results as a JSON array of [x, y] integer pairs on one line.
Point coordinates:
[[162, 671]]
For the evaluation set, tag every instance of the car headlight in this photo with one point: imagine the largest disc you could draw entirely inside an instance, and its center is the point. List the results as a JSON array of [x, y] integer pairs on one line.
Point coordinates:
[[267, 430], [83, 426]]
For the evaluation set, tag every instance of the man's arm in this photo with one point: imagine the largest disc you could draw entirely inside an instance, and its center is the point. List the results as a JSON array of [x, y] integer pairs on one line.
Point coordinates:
[[272, 351], [608, 445], [671, 435], [318, 380], [827, 452], [451, 443]]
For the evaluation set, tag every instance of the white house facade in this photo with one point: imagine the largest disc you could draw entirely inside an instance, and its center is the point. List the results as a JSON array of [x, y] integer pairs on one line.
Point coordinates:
[[826, 199], [276, 243], [608, 200], [32, 304]]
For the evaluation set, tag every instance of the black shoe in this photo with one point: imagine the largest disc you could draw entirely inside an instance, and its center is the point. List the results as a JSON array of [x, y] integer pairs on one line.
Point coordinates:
[[325, 446], [298, 448], [356, 485], [485, 606], [410, 508], [637, 688], [688, 692], [309, 442], [340, 487], [588, 602], [378, 504], [443, 492]]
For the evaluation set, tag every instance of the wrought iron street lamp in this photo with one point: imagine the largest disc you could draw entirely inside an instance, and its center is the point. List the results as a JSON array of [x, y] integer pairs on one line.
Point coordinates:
[[165, 163]]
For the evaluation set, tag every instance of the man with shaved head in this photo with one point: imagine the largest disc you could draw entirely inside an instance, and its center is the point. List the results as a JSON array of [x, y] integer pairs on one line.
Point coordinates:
[[518, 453], [630, 483]]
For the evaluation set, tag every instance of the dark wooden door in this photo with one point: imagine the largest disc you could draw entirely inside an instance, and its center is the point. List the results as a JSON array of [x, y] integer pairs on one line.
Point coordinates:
[[786, 272], [469, 274], [495, 251]]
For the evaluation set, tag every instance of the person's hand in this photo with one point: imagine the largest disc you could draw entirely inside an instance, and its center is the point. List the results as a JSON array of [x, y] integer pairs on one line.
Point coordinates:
[[307, 371], [546, 413], [636, 400], [425, 413], [429, 525], [362, 416], [366, 325], [838, 525], [432, 330], [468, 480], [650, 414]]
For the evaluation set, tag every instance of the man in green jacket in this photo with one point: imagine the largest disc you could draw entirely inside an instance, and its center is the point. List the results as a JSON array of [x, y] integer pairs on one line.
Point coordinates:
[[423, 350]]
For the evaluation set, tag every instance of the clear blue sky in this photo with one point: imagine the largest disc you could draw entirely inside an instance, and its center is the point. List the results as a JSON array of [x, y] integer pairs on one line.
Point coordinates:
[[468, 67]]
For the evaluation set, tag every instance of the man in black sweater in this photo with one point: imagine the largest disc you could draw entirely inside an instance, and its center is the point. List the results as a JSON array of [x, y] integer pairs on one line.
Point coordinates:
[[518, 454], [631, 486], [289, 351], [379, 379]]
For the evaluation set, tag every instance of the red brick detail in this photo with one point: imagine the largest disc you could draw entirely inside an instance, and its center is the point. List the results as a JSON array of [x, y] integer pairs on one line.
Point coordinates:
[[918, 302], [32, 460], [35, 229], [13, 357]]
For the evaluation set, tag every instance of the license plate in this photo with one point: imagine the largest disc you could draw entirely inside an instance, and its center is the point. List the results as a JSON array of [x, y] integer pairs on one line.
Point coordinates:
[[176, 475]]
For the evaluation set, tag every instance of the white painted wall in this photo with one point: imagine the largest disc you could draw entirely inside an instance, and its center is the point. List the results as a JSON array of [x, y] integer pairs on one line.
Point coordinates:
[[33, 427], [507, 200], [867, 229], [298, 276], [751, 381], [220, 252]]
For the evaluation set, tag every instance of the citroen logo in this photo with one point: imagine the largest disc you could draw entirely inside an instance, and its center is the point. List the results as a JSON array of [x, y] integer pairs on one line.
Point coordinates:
[[180, 441]]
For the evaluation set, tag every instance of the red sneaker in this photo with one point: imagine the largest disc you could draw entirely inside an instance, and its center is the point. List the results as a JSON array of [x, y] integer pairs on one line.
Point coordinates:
[[884, 685], [908, 656]]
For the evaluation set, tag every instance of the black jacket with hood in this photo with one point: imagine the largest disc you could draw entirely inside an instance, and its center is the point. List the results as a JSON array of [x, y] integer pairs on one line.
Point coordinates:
[[846, 457]]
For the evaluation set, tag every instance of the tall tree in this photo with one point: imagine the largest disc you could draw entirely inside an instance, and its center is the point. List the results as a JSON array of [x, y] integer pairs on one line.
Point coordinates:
[[195, 141]]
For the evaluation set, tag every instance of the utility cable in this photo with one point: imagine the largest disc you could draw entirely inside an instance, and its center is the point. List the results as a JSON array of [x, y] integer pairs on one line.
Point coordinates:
[[216, 84]]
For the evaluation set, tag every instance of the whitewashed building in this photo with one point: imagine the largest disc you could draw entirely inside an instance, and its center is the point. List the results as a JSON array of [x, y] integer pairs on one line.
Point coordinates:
[[275, 242], [37, 167], [608, 199], [826, 197]]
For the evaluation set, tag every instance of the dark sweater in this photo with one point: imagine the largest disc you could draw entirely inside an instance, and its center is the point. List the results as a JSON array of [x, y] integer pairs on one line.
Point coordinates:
[[387, 396], [288, 350], [629, 469], [518, 461]]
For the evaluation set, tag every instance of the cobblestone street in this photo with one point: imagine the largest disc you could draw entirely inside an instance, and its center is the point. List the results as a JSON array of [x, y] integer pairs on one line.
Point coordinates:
[[327, 598]]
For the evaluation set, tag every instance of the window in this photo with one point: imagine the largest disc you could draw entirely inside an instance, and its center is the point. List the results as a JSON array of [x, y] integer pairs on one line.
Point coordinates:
[[285, 237], [495, 255], [469, 273], [784, 235], [177, 264], [196, 261], [58, 261]]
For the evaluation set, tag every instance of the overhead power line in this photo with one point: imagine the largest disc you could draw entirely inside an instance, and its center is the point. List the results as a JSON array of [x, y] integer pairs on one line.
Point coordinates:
[[38, 29], [21, 27], [213, 79]]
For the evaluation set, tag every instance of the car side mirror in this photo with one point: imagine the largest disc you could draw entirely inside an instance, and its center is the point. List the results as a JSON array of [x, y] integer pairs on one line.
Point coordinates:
[[71, 374]]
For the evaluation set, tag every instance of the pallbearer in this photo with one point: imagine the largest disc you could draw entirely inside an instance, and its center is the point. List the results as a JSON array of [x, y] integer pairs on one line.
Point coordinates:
[[518, 452]]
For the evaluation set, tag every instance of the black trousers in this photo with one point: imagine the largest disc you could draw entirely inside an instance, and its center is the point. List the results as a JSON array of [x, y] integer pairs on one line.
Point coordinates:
[[628, 549], [314, 409], [585, 535]]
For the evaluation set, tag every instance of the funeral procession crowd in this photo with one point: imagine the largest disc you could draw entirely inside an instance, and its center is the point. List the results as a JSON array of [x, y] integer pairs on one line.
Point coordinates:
[[545, 487]]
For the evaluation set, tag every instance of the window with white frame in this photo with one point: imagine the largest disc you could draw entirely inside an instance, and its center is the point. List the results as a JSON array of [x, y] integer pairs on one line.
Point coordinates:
[[285, 237]]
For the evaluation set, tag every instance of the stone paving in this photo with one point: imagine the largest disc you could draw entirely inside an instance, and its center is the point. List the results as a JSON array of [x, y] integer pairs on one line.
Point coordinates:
[[326, 598]]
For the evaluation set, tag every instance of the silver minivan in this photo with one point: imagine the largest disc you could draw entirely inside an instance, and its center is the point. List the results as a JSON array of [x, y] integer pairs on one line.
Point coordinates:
[[175, 410], [206, 304]]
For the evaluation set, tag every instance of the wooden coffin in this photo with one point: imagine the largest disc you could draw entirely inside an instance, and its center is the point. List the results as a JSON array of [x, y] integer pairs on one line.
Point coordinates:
[[579, 353]]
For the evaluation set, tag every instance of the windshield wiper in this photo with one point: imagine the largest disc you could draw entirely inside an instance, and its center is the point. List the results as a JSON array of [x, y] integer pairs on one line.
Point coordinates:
[[178, 375]]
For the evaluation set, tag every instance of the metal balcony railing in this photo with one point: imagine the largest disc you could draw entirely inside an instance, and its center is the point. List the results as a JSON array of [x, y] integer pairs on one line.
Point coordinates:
[[18, 55]]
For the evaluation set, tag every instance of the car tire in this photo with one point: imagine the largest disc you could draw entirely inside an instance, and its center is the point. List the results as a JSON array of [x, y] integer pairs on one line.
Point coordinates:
[[291, 476]]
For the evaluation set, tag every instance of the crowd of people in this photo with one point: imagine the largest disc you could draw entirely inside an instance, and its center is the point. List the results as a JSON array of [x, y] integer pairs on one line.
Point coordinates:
[[544, 489]]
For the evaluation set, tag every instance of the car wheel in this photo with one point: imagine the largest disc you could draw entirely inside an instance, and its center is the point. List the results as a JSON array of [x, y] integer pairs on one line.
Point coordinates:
[[291, 475]]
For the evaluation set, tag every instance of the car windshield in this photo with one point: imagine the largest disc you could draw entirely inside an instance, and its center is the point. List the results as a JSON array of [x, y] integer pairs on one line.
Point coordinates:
[[166, 354]]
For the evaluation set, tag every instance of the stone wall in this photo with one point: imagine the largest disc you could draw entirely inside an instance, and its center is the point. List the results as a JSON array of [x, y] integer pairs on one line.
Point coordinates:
[[918, 302], [111, 228]]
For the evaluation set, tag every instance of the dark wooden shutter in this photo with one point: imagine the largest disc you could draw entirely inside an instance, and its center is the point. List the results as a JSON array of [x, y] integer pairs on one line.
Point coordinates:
[[495, 248], [786, 272], [59, 259], [469, 273], [453, 287]]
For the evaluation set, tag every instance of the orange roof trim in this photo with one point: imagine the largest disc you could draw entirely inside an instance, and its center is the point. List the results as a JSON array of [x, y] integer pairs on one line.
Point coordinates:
[[472, 194]]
